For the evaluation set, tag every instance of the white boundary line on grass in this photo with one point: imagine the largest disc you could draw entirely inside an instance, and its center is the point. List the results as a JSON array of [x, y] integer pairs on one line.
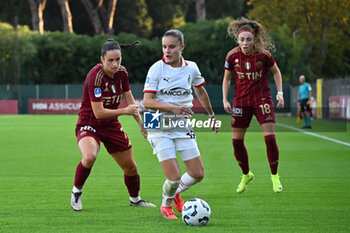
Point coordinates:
[[314, 134]]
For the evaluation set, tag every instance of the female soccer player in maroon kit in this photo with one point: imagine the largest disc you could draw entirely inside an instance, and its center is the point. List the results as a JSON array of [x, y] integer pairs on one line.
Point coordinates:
[[249, 63], [104, 86]]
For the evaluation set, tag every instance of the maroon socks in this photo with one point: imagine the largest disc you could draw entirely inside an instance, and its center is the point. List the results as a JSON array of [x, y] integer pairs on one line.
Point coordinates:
[[81, 175], [133, 185], [241, 155], [272, 153]]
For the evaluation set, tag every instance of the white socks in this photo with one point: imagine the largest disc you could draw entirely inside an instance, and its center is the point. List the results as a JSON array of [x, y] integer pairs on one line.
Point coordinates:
[[169, 191], [135, 199], [186, 182], [76, 190]]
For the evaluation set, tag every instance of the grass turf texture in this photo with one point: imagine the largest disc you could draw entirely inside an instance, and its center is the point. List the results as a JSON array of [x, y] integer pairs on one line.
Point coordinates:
[[39, 155]]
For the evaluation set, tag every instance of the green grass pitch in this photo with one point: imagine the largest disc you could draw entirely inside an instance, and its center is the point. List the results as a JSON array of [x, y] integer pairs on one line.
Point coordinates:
[[38, 157]]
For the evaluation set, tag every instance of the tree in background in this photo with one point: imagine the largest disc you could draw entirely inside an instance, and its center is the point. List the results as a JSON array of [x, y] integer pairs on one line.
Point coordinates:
[[166, 14], [37, 8], [66, 15], [323, 24], [200, 10], [101, 18], [133, 17]]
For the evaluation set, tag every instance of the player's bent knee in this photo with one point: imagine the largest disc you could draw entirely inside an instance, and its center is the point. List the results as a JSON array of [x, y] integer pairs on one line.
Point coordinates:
[[89, 160], [129, 169]]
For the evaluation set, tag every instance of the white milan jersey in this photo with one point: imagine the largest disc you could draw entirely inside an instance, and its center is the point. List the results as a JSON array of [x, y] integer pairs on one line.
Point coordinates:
[[173, 85]]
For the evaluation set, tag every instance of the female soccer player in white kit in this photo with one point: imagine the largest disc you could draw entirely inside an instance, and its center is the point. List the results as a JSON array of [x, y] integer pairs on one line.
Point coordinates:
[[168, 90]]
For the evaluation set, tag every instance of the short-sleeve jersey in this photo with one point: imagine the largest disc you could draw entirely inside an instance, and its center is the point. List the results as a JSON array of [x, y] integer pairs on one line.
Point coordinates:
[[304, 90], [173, 85], [98, 87], [250, 72]]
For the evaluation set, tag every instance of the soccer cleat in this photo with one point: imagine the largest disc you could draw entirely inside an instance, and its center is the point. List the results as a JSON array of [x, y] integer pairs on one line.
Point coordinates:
[[178, 202], [75, 201], [244, 182], [276, 183], [142, 203], [167, 212]]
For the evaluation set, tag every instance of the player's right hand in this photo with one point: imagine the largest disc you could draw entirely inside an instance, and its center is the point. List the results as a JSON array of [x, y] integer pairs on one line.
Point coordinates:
[[227, 107], [132, 109]]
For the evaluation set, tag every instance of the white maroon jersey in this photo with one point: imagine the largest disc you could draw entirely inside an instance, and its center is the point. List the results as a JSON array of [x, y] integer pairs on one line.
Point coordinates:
[[173, 85]]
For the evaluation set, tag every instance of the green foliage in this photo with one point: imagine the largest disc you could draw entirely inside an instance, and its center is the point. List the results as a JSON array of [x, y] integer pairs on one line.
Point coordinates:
[[207, 44], [59, 58], [133, 17], [323, 27], [166, 14]]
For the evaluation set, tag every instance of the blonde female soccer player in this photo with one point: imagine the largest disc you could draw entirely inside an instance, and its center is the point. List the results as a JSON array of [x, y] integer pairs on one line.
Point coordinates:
[[168, 89]]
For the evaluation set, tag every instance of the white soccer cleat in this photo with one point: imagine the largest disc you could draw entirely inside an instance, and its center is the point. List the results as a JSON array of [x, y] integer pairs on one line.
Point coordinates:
[[142, 203], [75, 201]]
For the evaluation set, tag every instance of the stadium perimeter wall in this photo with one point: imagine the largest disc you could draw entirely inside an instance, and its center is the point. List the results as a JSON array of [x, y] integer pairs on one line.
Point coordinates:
[[26, 93]]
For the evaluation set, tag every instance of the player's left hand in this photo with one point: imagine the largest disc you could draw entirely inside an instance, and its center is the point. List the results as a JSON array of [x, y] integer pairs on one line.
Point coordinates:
[[280, 99], [212, 122], [144, 132]]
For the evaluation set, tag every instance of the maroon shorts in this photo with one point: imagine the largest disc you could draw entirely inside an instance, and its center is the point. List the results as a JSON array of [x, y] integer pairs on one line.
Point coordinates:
[[264, 113], [113, 136]]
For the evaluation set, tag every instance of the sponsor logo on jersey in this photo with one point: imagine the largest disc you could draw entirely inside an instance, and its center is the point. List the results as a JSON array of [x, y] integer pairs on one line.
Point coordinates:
[[97, 92], [166, 79], [177, 91], [87, 128], [237, 111]]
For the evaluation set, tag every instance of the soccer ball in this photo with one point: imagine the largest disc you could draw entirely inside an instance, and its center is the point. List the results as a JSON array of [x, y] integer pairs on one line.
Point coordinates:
[[196, 212]]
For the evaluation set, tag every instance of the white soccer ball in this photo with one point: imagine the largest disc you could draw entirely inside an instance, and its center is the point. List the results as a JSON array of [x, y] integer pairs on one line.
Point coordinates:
[[196, 212]]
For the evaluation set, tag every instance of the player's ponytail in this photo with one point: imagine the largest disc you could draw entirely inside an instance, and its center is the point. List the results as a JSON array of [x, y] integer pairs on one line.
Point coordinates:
[[111, 44], [136, 43]]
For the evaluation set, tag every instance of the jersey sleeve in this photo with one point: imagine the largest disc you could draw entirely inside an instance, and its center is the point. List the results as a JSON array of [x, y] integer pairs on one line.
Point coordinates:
[[152, 79], [125, 83], [229, 61], [197, 80], [94, 87], [270, 60]]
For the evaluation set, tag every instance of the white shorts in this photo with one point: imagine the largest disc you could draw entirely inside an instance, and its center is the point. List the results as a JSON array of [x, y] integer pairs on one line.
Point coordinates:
[[166, 148]]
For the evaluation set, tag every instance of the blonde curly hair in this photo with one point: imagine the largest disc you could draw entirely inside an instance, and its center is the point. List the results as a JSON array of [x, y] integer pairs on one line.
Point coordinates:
[[262, 40]]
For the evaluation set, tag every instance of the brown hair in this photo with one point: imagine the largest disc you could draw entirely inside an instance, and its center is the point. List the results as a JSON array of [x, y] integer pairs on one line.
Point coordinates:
[[112, 45], [262, 40], [175, 33]]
